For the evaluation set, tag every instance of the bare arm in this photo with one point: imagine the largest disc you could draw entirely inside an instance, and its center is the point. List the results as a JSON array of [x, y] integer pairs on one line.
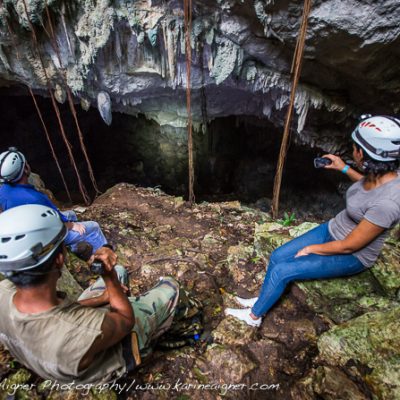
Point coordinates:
[[75, 226], [364, 233], [120, 320], [338, 164], [94, 302], [101, 300]]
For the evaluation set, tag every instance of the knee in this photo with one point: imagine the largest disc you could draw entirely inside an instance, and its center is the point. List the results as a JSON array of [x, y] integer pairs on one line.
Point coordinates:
[[273, 260], [122, 274], [275, 256], [278, 274], [172, 282], [92, 226], [120, 270]]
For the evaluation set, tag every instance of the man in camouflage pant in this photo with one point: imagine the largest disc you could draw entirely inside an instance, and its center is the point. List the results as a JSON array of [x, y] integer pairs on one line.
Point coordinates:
[[154, 310], [94, 340]]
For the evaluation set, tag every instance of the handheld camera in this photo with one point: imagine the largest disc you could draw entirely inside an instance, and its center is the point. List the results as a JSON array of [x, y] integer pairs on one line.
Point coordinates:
[[321, 162]]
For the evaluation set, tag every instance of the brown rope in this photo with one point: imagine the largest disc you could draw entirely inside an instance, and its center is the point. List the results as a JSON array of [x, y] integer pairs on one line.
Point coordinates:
[[35, 46], [50, 143], [70, 100], [188, 30], [297, 63]]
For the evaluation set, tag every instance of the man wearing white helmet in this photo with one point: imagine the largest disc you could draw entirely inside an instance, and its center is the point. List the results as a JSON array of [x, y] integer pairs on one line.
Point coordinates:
[[60, 339], [16, 191], [351, 242]]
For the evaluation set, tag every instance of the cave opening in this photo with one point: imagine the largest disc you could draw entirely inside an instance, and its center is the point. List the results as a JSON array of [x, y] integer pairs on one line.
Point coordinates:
[[235, 157]]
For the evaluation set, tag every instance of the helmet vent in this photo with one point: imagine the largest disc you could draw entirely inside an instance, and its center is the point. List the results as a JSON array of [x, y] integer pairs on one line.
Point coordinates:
[[396, 142], [19, 237], [3, 257], [5, 239], [44, 215]]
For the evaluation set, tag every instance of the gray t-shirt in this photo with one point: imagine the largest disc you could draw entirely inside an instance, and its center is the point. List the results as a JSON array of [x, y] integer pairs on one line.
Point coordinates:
[[380, 206]]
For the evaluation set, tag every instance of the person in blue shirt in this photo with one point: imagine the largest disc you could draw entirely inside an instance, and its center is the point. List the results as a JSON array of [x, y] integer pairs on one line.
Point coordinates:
[[16, 191]]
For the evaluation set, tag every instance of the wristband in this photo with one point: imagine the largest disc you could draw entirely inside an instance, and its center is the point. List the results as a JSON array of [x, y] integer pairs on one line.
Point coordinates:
[[345, 169], [109, 246]]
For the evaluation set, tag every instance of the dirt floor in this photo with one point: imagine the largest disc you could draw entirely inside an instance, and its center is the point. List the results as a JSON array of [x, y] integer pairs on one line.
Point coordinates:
[[209, 249]]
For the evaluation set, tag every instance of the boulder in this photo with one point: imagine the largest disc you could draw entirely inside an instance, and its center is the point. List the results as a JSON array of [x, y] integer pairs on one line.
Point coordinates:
[[370, 343], [231, 331], [228, 365], [329, 384]]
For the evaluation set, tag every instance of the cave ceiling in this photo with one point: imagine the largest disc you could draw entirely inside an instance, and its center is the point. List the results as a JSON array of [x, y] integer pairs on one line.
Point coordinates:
[[129, 57]]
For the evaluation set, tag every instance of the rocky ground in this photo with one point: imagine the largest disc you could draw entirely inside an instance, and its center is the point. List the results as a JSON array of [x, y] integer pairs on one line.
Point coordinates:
[[329, 340]]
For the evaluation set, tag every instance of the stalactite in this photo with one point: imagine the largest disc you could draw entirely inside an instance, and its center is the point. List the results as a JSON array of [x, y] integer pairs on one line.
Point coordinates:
[[104, 106], [59, 94], [171, 51], [64, 25]]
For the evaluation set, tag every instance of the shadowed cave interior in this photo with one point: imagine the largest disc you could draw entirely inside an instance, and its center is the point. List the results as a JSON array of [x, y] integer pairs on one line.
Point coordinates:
[[235, 157]]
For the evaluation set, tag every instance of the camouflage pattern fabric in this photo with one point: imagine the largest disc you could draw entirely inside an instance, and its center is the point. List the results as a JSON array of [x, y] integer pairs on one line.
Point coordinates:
[[154, 310], [97, 288], [187, 325]]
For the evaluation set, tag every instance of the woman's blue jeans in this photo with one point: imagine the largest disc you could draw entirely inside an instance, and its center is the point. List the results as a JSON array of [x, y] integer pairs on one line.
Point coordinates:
[[283, 267]]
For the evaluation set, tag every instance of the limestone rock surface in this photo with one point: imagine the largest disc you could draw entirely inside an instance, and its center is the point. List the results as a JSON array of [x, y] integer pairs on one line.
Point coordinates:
[[241, 51]]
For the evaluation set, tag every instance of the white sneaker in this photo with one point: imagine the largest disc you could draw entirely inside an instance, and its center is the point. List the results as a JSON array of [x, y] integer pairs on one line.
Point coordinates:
[[243, 315], [246, 302]]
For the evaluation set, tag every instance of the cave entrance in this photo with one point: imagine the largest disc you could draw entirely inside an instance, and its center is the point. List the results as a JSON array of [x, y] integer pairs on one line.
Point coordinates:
[[235, 158]]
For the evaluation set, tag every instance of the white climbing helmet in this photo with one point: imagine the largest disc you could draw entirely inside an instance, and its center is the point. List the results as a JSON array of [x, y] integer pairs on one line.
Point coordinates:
[[29, 235], [12, 164], [379, 137]]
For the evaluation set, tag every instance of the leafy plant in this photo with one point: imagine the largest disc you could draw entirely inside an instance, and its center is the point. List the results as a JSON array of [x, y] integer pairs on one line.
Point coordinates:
[[288, 219], [255, 259]]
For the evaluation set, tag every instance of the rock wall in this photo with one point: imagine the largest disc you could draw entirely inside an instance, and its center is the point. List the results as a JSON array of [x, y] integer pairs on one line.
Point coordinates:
[[364, 312], [130, 57]]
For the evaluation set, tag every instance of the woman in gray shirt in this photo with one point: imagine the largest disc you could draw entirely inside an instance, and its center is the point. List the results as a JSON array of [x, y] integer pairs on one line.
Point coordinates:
[[352, 241]]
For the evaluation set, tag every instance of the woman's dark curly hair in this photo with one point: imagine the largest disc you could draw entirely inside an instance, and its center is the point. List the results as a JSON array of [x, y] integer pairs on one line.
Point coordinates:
[[374, 168]]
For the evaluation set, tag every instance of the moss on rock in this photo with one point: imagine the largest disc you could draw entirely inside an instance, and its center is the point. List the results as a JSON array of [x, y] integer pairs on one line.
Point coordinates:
[[373, 342]]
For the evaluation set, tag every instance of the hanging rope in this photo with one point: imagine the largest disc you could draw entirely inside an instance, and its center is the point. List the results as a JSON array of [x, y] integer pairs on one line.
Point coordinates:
[[188, 30], [50, 144], [296, 70], [53, 40], [35, 46]]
